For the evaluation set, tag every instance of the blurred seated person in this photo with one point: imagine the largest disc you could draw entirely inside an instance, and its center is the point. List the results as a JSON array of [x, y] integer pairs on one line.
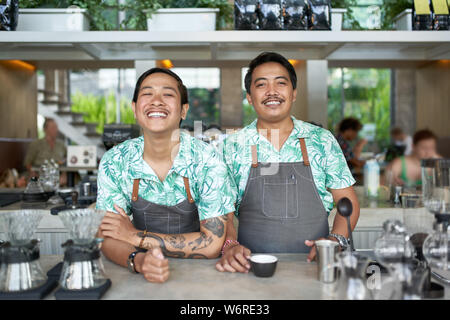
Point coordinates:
[[406, 170], [401, 144], [348, 131], [47, 148]]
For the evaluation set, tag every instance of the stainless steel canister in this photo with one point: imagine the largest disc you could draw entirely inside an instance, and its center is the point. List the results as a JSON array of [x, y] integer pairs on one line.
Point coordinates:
[[326, 261], [86, 189]]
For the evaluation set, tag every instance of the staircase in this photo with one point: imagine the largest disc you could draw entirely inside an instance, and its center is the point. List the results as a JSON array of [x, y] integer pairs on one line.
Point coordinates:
[[70, 124]]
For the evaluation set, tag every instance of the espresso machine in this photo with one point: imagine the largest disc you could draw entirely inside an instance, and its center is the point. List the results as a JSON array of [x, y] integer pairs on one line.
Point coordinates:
[[82, 272], [21, 275]]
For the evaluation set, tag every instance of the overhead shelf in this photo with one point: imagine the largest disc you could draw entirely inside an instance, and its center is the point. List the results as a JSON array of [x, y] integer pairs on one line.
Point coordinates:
[[225, 45]]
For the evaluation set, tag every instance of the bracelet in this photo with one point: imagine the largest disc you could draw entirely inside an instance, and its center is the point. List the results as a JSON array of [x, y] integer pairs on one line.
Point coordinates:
[[227, 243], [142, 240]]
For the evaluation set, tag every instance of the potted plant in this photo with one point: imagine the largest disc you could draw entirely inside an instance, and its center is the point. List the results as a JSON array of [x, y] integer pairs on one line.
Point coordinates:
[[396, 14], [176, 14], [51, 16], [341, 10], [67, 15]]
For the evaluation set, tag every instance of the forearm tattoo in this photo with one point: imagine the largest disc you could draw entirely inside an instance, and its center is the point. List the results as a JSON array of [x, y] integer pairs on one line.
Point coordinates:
[[201, 242], [215, 225], [175, 240], [197, 256], [162, 244], [178, 241]]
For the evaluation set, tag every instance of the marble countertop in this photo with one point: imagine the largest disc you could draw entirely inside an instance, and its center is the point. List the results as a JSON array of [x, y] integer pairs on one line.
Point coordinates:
[[197, 279]]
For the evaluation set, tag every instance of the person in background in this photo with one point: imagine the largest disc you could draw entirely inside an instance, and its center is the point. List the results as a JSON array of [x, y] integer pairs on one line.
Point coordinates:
[[406, 170], [401, 139], [348, 131], [49, 147]]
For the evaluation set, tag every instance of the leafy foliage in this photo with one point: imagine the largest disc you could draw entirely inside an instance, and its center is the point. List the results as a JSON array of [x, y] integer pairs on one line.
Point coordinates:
[[348, 16], [101, 109], [367, 97], [103, 15], [392, 8]]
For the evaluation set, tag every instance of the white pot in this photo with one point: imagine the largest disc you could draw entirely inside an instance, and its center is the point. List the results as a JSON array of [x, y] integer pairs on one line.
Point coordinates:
[[183, 19], [337, 16], [403, 21], [70, 19]]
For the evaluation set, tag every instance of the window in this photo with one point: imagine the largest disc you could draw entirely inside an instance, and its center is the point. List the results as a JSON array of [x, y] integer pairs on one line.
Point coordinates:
[[364, 94]]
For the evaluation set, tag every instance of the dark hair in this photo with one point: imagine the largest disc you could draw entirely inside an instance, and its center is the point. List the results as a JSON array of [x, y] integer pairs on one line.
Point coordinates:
[[424, 134], [269, 57], [181, 86], [46, 122], [350, 123], [396, 131]]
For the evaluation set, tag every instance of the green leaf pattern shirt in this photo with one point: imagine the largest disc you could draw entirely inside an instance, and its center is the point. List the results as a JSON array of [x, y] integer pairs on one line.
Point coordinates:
[[211, 187], [328, 165]]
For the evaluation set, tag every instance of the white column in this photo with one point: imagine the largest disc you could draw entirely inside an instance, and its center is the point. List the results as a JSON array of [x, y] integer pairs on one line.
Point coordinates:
[[312, 92]]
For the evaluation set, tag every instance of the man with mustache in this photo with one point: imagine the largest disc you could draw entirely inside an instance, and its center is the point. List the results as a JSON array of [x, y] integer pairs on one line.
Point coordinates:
[[175, 187], [288, 173]]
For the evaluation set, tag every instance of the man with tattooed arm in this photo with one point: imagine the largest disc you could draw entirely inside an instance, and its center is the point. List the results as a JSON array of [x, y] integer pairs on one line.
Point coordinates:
[[175, 187]]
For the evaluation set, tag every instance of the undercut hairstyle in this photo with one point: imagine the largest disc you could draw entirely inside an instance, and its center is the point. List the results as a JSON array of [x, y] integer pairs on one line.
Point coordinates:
[[269, 57], [47, 121], [350, 123], [424, 134], [181, 87]]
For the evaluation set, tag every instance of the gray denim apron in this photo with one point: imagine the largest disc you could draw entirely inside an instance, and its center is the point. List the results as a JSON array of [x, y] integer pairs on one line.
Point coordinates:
[[279, 212], [180, 218]]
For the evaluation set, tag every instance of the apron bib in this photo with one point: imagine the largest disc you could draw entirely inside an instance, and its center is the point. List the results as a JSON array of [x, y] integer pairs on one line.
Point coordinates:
[[279, 212], [180, 218]]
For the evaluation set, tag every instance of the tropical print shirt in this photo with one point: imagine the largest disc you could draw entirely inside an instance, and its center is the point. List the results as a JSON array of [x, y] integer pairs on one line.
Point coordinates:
[[212, 189], [328, 165]]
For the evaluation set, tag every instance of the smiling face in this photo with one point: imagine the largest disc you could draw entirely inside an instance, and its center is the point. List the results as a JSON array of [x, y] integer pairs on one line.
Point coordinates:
[[271, 92], [158, 107]]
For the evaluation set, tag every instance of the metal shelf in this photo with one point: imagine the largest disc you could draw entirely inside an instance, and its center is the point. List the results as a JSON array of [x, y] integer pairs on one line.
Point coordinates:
[[225, 45]]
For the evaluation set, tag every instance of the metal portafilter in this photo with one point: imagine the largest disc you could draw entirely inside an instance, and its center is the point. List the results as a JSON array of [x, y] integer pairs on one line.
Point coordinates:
[[345, 209]]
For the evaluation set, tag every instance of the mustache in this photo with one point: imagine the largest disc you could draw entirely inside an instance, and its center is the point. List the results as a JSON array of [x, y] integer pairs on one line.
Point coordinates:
[[273, 98]]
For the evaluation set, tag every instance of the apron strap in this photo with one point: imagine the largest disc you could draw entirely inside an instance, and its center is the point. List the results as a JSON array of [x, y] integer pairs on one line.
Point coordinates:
[[134, 195], [188, 190], [304, 152], [254, 156]]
